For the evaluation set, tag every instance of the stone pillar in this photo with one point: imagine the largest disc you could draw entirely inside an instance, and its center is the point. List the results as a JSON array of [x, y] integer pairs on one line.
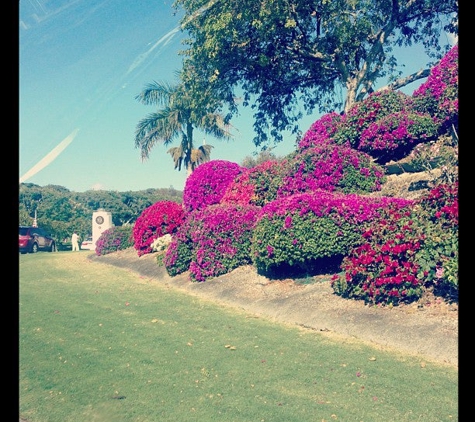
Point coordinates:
[[101, 221]]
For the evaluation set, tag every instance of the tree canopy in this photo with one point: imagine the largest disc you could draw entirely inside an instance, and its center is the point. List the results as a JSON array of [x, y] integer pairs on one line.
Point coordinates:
[[324, 55], [60, 211]]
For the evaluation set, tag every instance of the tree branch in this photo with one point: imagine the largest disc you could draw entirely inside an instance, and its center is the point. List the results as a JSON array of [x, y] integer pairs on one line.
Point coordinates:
[[423, 73]]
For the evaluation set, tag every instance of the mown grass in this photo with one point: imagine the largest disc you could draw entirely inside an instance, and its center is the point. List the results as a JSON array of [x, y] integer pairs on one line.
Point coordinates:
[[99, 343]]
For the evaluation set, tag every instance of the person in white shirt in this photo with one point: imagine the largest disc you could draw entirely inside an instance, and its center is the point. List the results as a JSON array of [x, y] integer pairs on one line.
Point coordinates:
[[75, 241]]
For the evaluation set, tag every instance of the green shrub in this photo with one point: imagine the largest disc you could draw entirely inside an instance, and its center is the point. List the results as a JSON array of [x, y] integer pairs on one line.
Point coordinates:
[[309, 246], [310, 232], [114, 239]]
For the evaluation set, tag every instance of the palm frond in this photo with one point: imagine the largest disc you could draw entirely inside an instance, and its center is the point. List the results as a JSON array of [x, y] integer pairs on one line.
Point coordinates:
[[156, 93], [161, 126], [205, 152], [200, 155], [177, 156]]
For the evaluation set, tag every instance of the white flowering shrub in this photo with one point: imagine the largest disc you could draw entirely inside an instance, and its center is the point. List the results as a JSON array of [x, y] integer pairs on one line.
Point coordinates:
[[161, 243]]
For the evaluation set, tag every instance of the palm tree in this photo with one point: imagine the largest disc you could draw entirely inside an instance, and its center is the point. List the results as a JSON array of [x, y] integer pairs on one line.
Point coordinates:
[[198, 156], [178, 116]]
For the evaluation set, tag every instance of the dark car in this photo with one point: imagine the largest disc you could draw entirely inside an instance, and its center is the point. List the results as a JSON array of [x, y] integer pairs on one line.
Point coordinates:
[[34, 239]]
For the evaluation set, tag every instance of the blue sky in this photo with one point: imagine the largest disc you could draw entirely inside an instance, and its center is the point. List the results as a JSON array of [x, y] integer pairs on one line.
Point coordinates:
[[81, 64]]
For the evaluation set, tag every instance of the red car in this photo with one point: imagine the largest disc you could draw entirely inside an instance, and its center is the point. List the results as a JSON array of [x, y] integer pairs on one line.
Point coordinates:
[[34, 239]]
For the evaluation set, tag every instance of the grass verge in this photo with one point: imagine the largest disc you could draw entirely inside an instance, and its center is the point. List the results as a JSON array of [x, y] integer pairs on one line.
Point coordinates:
[[99, 343]]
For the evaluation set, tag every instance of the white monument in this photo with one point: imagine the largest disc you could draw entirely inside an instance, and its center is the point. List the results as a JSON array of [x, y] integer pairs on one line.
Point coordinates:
[[101, 221]]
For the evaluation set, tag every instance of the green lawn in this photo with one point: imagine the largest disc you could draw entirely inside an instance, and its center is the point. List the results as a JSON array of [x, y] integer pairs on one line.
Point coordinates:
[[100, 343]]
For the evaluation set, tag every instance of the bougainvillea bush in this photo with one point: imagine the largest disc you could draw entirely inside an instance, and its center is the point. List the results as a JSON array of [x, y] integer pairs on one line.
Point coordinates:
[[394, 136], [388, 124], [405, 251], [382, 270], [308, 231], [155, 221], [213, 241], [331, 167], [320, 131], [208, 183], [436, 215], [309, 212], [114, 239], [438, 96], [376, 106], [161, 243], [179, 253], [257, 185]]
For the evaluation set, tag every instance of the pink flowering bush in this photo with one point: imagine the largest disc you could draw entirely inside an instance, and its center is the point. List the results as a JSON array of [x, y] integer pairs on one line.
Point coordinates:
[[179, 253], [257, 185], [208, 183], [382, 270], [311, 232], [376, 106], [393, 136], [438, 96], [405, 251], [436, 214], [320, 131], [213, 241], [155, 221], [331, 167], [114, 239], [307, 213]]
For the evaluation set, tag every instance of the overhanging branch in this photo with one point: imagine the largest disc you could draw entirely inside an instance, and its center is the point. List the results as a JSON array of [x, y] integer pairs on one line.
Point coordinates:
[[424, 73]]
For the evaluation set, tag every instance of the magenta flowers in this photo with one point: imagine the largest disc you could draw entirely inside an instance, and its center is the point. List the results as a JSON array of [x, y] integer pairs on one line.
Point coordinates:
[[208, 183], [160, 218]]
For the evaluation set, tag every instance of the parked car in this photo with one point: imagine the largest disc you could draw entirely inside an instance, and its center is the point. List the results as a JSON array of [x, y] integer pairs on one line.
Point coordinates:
[[87, 243], [34, 239]]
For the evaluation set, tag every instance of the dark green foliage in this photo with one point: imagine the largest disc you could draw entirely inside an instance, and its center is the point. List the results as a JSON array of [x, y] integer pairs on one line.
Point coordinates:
[[310, 246], [286, 59]]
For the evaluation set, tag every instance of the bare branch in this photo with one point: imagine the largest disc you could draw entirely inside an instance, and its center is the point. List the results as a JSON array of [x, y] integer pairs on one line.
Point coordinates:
[[423, 73]]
